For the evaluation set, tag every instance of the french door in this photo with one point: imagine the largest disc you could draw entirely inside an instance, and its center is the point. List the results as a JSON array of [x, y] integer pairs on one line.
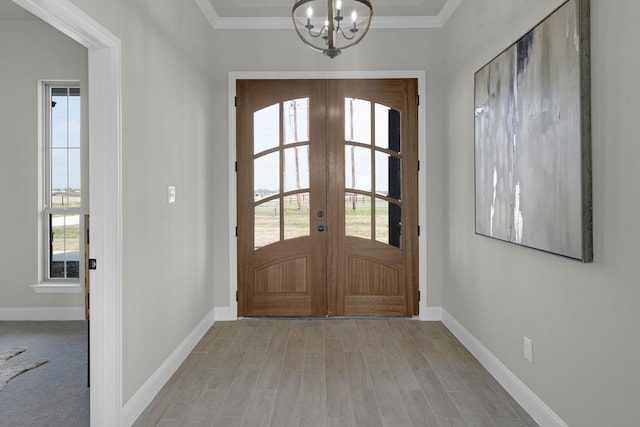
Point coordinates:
[[327, 197]]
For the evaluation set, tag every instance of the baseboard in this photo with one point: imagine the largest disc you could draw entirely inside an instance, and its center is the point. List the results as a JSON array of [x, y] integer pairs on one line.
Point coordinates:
[[431, 314], [143, 397], [42, 313], [226, 313], [531, 403]]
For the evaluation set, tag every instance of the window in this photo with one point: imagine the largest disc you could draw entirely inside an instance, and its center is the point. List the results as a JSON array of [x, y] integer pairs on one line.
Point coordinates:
[[62, 181]]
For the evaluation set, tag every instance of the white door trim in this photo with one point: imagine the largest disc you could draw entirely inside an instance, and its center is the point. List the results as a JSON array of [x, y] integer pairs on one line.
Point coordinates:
[[231, 312], [105, 141]]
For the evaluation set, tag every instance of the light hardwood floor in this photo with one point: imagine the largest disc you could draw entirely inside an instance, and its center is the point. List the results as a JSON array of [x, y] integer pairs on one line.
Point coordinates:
[[332, 372]]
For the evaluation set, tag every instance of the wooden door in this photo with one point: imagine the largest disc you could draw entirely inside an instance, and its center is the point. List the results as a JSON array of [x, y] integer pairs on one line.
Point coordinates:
[[281, 168], [327, 197], [373, 192]]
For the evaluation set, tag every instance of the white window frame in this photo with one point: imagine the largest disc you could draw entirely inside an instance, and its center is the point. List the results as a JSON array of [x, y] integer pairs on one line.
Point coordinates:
[[47, 283]]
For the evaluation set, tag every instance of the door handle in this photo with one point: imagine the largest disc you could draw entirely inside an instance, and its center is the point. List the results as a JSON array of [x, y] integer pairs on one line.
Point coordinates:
[[321, 228]]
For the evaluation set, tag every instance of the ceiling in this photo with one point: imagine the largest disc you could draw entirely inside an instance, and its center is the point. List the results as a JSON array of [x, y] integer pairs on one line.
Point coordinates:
[[252, 14]]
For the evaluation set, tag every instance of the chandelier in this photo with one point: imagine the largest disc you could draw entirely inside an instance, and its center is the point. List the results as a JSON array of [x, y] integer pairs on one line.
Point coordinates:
[[331, 25]]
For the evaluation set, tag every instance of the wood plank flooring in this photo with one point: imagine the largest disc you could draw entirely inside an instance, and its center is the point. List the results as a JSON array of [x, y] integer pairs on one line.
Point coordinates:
[[333, 373]]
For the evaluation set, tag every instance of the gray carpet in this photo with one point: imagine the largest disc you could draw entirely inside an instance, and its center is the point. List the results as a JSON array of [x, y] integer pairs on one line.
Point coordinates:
[[54, 394]]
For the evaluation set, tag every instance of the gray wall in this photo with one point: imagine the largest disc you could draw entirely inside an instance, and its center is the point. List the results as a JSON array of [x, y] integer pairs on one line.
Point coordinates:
[[29, 51], [583, 318]]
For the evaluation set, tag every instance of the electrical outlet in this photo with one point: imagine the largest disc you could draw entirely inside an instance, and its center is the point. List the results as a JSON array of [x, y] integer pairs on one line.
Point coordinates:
[[171, 194], [528, 349]]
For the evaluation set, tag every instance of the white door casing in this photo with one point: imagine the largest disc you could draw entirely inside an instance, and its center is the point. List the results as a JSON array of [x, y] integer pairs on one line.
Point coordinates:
[[105, 140], [231, 312]]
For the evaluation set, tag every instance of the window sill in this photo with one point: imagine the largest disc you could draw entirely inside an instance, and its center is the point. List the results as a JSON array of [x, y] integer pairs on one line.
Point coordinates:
[[57, 288]]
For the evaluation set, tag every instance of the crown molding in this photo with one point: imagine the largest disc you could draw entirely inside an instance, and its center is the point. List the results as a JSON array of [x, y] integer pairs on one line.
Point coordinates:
[[284, 23], [447, 10], [397, 22]]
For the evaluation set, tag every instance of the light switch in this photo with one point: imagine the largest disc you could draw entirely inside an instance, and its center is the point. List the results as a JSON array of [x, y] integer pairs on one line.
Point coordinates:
[[171, 194], [528, 349]]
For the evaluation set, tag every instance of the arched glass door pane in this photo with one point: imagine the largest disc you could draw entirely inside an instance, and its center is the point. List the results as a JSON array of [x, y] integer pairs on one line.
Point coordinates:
[[357, 168], [266, 174], [297, 219], [374, 168], [266, 132], [296, 120], [296, 168], [388, 223], [388, 175], [281, 173], [387, 128], [266, 223], [357, 120], [357, 218]]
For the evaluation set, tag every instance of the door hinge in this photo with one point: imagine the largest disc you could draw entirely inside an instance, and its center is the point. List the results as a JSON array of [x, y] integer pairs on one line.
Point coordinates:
[[419, 296], [236, 166], [236, 296], [418, 230], [418, 99], [236, 231], [418, 165], [235, 101]]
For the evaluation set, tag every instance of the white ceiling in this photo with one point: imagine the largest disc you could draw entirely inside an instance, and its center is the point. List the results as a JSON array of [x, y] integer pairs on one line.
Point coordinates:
[[247, 14], [282, 8]]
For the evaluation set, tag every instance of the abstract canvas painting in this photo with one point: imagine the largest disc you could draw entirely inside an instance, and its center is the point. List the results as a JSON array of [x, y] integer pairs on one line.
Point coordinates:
[[533, 138]]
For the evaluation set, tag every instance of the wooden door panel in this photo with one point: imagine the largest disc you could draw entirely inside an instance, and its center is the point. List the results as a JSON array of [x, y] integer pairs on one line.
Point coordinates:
[[290, 276], [286, 280], [375, 305], [369, 276], [283, 305], [374, 283]]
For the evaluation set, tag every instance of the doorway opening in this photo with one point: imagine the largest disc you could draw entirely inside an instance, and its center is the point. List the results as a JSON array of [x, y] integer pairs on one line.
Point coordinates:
[[105, 141]]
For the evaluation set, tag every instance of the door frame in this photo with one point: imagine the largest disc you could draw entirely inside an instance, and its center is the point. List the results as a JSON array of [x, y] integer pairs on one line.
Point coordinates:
[[105, 187], [231, 312]]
